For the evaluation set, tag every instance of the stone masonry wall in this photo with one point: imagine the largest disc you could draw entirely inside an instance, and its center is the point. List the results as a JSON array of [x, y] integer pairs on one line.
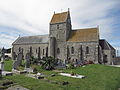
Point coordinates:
[[35, 48]]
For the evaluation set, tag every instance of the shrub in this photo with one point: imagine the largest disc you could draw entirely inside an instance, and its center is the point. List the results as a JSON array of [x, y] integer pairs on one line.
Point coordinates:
[[48, 63], [71, 66]]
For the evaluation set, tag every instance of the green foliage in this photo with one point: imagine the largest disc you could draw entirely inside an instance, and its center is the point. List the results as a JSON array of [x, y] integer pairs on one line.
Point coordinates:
[[48, 63], [71, 66], [34, 60]]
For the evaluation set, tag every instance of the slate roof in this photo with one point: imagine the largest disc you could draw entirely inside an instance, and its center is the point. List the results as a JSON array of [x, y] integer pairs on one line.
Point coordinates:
[[84, 35], [105, 45], [32, 39], [59, 17]]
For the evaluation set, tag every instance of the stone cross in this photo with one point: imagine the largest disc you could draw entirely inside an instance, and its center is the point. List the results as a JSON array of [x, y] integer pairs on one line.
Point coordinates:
[[27, 58], [2, 54]]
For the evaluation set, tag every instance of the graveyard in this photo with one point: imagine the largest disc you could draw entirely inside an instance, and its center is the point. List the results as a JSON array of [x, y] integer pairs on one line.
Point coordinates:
[[54, 74], [98, 77]]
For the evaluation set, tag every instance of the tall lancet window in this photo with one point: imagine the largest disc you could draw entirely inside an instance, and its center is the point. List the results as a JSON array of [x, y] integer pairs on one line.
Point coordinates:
[[58, 50], [43, 51], [87, 50], [72, 50]]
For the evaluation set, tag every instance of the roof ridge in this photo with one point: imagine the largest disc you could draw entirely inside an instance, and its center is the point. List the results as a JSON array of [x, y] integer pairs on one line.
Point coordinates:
[[85, 28], [62, 12], [35, 35]]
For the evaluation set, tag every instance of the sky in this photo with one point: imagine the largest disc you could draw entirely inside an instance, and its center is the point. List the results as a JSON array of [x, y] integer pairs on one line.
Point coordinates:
[[32, 17]]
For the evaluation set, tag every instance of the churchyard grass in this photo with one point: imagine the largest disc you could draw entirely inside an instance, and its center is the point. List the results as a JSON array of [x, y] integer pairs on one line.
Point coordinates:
[[8, 65], [98, 77]]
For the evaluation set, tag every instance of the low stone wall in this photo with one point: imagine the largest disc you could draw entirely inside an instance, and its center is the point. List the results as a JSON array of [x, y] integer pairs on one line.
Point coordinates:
[[116, 62]]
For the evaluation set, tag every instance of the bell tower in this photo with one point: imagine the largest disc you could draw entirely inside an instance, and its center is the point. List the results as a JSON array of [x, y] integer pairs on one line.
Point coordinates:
[[60, 28]]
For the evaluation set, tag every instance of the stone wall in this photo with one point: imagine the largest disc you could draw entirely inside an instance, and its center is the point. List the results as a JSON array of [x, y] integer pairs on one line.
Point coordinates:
[[110, 56], [35, 49], [91, 55]]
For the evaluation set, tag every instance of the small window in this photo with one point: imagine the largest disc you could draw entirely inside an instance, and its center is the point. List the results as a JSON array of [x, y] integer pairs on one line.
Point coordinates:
[[72, 50], [57, 26], [58, 50], [87, 50]]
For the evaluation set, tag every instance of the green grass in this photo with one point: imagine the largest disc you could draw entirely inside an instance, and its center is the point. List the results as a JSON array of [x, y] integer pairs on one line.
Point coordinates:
[[8, 65], [98, 77], [32, 84]]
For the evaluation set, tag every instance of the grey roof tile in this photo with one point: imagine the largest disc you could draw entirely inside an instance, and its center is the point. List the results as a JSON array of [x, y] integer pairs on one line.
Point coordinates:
[[32, 39]]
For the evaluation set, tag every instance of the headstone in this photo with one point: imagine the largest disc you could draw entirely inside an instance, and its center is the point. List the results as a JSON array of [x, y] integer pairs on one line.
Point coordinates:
[[64, 62], [0, 73], [27, 58], [15, 65], [14, 57], [2, 65], [2, 54], [19, 58]]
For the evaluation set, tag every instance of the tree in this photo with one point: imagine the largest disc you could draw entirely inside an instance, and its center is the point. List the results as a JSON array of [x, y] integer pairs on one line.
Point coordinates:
[[48, 63]]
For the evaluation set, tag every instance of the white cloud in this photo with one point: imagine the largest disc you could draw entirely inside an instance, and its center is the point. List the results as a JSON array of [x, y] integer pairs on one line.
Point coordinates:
[[33, 16]]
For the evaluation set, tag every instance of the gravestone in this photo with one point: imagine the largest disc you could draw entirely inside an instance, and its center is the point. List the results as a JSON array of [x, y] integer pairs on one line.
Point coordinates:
[[14, 57], [0, 73], [2, 65], [19, 58], [64, 62], [2, 54], [27, 58]]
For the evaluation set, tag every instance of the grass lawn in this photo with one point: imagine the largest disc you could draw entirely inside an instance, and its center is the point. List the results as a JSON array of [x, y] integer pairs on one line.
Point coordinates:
[[98, 77], [8, 65]]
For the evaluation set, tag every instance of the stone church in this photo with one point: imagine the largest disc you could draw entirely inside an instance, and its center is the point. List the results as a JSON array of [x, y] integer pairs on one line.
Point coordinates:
[[64, 43]]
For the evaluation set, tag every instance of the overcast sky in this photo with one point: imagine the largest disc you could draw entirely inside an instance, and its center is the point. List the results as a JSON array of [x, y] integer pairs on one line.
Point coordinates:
[[32, 17]]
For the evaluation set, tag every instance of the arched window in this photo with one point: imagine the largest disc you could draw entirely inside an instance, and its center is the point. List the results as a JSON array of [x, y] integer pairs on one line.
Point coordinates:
[[58, 50], [46, 51], [57, 26], [87, 50], [72, 50], [43, 51], [30, 50], [39, 56]]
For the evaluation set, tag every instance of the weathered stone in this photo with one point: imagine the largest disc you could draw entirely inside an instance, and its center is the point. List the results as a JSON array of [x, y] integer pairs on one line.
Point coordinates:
[[19, 58], [85, 45], [27, 58], [2, 65]]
